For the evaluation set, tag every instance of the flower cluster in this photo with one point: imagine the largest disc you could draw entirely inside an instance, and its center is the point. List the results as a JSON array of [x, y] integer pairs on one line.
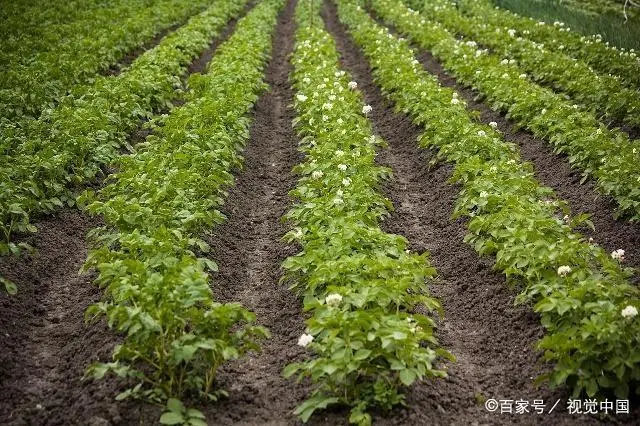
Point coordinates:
[[358, 282]]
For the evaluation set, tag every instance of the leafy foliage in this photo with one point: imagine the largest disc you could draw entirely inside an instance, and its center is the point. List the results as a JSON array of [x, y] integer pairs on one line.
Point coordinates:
[[602, 93], [361, 285], [608, 156], [558, 37], [157, 292], [44, 61], [69, 145], [514, 218]]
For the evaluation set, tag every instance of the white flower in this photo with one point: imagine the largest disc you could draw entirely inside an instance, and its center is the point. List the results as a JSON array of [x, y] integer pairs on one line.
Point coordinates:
[[366, 109], [566, 218], [346, 181], [484, 194], [342, 167], [629, 312], [482, 133], [564, 270], [618, 255], [455, 101], [522, 76], [306, 80], [301, 97], [333, 299], [317, 174], [304, 340], [325, 118], [512, 32], [493, 124], [327, 106], [339, 121], [339, 193], [338, 200], [339, 153], [352, 85], [505, 62]]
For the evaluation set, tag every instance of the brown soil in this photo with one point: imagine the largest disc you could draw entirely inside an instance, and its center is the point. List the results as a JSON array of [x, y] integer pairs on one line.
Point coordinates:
[[249, 250], [492, 339]]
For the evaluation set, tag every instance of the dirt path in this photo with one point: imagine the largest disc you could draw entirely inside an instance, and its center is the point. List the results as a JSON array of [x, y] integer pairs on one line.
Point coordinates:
[[46, 345], [249, 250], [492, 340]]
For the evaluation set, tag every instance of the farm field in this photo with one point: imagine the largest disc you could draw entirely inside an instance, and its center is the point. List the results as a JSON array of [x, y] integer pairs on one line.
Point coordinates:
[[250, 212]]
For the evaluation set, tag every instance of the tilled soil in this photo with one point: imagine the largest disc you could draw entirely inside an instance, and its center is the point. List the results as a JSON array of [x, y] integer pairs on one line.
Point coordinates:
[[47, 345], [249, 249]]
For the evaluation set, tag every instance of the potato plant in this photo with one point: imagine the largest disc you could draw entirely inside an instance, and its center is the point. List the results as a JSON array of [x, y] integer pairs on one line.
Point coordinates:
[[61, 56], [149, 254], [582, 293], [605, 155], [70, 145], [558, 37], [602, 93], [361, 285]]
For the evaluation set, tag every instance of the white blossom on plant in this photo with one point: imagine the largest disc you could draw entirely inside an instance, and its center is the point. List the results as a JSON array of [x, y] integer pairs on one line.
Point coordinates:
[[366, 109], [564, 270], [629, 312], [333, 299], [618, 255], [352, 85], [304, 340]]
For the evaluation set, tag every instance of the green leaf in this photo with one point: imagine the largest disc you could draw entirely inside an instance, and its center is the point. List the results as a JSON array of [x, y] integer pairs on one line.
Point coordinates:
[[171, 418], [362, 354], [174, 404], [407, 376]]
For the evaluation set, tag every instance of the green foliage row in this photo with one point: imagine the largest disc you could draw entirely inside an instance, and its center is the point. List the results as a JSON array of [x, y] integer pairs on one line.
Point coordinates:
[[606, 155], [558, 37], [69, 145], [603, 93], [361, 285], [37, 75], [581, 293], [148, 255]]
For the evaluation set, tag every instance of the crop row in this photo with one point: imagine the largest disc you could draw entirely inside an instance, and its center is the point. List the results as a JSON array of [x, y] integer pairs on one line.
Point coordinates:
[[360, 284], [581, 293], [68, 146], [34, 80], [602, 93], [606, 155], [157, 292], [558, 37]]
